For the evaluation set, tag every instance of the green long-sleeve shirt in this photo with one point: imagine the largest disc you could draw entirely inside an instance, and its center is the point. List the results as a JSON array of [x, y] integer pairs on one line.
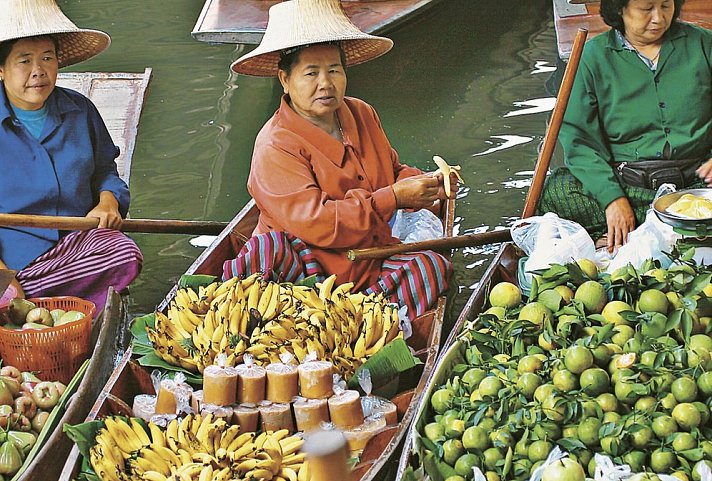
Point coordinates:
[[621, 111]]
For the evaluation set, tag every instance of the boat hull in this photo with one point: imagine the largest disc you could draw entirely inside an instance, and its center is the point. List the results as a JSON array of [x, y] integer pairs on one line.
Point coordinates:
[[503, 268], [244, 21]]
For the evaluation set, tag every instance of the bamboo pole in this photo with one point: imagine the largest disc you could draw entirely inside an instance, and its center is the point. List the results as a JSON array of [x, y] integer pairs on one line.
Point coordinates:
[[154, 226]]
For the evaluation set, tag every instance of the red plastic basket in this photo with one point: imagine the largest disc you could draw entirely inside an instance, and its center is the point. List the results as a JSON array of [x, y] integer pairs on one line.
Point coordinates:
[[54, 353]]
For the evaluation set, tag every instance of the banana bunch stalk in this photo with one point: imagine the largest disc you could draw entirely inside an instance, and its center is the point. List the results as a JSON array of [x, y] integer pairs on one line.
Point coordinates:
[[195, 448], [266, 319]]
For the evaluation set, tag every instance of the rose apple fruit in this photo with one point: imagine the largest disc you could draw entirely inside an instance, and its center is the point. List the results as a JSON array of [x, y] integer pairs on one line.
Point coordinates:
[[39, 421], [26, 406], [45, 395], [12, 372]]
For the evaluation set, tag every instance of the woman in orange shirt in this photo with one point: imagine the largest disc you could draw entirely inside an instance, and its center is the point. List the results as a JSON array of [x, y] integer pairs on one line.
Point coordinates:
[[323, 173]]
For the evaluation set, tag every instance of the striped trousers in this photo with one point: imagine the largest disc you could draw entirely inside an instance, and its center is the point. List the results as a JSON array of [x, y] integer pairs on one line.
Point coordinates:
[[84, 264], [414, 280]]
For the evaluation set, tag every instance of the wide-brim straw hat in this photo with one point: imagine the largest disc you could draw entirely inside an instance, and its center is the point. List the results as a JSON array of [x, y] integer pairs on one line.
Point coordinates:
[[31, 18], [295, 23]]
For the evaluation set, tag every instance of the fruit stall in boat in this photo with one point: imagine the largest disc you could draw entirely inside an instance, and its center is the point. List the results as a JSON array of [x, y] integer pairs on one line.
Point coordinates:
[[612, 364], [244, 21], [119, 97], [131, 379]]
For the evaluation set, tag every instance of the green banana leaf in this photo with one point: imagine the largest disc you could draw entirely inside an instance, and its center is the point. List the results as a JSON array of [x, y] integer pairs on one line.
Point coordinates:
[[194, 281], [84, 434], [152, 360], [385, 366], [53, 419]]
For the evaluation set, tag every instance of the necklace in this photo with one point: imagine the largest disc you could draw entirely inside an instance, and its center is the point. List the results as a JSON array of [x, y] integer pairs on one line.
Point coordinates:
[[338, 132]]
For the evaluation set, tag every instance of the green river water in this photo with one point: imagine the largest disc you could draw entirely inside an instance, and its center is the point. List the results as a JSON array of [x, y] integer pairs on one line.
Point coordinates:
[[466, 80]]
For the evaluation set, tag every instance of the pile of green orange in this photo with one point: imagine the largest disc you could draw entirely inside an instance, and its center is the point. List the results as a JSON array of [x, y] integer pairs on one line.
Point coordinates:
[[618, 365]]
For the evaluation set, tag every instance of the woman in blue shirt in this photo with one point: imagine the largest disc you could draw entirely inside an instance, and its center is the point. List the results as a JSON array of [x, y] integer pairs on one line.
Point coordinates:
[[57, 158]]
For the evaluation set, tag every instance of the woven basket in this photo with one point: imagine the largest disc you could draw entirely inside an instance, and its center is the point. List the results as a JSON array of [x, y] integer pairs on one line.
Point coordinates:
[[54, 353]]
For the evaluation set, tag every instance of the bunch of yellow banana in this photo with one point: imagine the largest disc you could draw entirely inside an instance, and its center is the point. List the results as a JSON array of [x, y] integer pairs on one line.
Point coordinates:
[[266, 319], [195, 448]]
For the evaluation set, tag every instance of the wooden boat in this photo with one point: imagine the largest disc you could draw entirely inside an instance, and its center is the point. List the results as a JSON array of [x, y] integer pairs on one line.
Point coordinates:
[[244, 21], [503, 268], [119, 97], [569, 16], [130, 379]]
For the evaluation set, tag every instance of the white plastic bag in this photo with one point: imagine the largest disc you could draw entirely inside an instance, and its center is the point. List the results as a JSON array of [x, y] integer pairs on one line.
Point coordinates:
[[648, 241], [554, 455], [606, 470], [549, 239], [416, 226]]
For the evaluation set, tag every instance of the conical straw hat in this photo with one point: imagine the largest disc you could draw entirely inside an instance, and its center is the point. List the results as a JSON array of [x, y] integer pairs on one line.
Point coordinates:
[[30, 18], [295, 23]]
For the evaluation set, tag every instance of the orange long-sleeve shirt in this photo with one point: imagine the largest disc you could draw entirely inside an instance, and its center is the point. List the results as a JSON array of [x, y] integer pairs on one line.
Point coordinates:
[[334, 196]]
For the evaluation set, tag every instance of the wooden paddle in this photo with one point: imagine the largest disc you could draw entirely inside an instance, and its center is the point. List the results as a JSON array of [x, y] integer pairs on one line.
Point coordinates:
[[540, 170], [128, 225]]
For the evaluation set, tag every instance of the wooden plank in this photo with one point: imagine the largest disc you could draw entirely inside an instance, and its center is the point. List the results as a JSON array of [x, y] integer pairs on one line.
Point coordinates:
[[119, 98], [244, 21], [698, 12]]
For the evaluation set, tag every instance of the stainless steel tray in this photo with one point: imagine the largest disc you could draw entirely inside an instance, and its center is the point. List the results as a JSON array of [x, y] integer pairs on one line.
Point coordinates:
[[663, 202]]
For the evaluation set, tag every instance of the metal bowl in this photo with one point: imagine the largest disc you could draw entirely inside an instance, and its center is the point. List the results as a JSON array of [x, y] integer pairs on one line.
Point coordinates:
[[662, 203]]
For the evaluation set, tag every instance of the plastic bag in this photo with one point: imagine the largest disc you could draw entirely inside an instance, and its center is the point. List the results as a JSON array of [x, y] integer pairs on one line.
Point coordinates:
[[416, 226], [648, 241], [549, 239]]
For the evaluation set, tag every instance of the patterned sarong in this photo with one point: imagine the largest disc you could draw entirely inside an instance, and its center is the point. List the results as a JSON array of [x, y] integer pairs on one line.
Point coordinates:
[[84, 264], [564, 194], [414, 280]]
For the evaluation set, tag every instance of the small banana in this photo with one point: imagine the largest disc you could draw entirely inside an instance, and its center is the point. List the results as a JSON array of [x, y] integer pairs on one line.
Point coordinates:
[[291, 445], [241, 441], [151, 460], [260, 473], [102, 464], [253, 296], [206, 474], [153, 476], [293, 459], [326, 287], [158, 436], [126, 438], [303, 473], [446, 170]]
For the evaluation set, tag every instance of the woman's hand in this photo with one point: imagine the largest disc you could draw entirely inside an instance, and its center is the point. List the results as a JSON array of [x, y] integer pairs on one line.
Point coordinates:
[[107, 211], [421, 191], [704, 171], [621, 220]]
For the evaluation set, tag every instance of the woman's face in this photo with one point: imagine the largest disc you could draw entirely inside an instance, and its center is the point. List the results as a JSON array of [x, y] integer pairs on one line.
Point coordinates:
[[646, 21], [30, 72], [316, 84]]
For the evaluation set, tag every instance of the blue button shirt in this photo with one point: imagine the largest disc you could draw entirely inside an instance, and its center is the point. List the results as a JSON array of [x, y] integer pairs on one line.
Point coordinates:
[[61, 173]]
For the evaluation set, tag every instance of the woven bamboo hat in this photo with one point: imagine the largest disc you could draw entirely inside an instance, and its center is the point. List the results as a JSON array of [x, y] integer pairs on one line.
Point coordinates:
[[295, 23], [30, 18]]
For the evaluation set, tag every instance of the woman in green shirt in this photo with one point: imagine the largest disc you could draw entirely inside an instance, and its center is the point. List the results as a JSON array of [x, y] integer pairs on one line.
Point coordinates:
[[642, 99]]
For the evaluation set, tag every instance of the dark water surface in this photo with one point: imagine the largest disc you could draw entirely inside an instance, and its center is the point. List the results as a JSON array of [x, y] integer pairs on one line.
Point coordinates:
[[466, 81]]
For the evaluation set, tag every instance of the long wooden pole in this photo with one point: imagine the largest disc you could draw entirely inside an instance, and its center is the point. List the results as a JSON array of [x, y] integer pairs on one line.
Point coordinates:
[[128, 225], [540, 170]]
